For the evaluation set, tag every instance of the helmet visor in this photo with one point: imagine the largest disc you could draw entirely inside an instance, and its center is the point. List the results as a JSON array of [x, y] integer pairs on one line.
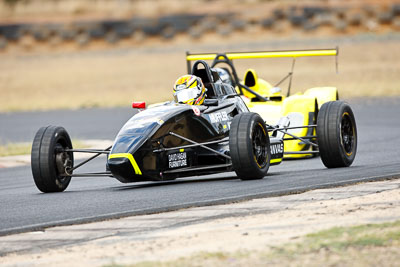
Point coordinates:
[[184, 95]]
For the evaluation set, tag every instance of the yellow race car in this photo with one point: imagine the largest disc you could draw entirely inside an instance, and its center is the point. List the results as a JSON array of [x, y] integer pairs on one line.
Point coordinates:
[[299, 110]]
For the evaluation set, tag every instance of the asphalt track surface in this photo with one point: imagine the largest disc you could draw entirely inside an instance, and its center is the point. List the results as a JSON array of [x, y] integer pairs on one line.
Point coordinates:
[[24, 208]]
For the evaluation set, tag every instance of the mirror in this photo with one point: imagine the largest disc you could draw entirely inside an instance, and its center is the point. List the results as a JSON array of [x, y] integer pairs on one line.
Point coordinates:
[[210, 102]]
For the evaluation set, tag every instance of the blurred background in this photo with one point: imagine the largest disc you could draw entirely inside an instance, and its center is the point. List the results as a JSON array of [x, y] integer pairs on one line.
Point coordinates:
[[57, 54]]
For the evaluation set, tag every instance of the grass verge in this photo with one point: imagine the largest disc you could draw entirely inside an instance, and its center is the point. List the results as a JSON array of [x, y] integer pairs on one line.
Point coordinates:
[[14, 149], [364, 245], [113, 78]]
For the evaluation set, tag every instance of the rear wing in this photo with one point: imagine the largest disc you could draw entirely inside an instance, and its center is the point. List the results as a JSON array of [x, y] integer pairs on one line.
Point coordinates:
[[263, 54], [229, 56]]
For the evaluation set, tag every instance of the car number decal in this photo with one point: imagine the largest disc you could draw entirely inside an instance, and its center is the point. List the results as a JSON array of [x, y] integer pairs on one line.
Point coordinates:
[[177, 160], [277, 148]]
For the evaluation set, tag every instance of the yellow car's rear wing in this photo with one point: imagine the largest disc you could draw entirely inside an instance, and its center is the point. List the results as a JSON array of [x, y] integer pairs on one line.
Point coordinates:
[[229, 56], [265, 54]]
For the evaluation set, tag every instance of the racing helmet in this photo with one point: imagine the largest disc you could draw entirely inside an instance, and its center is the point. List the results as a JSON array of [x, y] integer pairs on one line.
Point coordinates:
[[189, 89]]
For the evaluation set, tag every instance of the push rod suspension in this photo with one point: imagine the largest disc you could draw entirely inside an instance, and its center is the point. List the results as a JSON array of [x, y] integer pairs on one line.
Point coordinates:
[[294, 136], [193, 145], [86, 161], [304, 137], [201, 145], [294, 127], [87, 151]]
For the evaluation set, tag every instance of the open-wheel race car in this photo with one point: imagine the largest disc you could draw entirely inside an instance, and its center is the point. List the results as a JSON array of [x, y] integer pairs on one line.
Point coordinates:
[[175, 140], [269, 101]]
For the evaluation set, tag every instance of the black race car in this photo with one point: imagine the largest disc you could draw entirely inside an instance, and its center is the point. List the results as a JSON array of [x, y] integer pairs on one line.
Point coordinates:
[[174, 140]]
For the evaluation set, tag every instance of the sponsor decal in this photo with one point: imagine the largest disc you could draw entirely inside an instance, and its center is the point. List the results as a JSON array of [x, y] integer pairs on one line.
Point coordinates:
[[177, 160], [277, 148], [196, 110], [218, 117]]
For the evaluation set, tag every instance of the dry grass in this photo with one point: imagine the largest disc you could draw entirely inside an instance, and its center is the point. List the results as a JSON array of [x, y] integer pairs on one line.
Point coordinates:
[[364, 245], [14, 149], [53, 80], [55, 9]]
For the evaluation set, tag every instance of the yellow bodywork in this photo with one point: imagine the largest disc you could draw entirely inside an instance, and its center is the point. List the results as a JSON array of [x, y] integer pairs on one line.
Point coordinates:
[[323, 94], [130, 158], [301, 109], [260, 86]]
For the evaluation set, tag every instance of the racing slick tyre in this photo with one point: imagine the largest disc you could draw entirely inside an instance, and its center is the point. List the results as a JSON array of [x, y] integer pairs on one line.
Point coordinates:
[[249, 146], [336, 134], [49, 162]]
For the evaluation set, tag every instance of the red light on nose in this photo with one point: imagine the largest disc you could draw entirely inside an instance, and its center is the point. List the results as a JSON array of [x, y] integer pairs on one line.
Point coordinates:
[[141, 105]]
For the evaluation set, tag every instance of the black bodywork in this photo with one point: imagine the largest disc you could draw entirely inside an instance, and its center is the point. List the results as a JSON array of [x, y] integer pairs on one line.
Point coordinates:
[[173, 140], [176, 140]]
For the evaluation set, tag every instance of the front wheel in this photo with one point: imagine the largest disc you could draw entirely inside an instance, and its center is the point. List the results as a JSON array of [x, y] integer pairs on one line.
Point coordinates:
[[51, 165], [336, 134], [249, 146]]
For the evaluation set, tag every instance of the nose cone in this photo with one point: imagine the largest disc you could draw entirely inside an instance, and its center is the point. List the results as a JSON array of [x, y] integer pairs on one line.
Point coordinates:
[[122, 169]]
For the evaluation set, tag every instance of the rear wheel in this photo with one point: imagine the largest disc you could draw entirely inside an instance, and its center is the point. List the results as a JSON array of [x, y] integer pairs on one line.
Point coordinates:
[[50, 164], [336, 134], [249, 146]]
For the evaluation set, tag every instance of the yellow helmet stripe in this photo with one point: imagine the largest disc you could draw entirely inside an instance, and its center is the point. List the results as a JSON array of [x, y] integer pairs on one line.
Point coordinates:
[[131, 159], [193, 85]]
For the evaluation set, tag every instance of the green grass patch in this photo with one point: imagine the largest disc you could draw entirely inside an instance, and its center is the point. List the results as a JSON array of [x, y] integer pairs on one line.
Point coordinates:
[[341, 238], [13, 149], [369, 245]]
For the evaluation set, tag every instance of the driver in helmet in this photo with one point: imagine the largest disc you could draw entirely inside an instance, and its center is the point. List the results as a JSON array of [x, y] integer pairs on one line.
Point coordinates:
[[189, 89]]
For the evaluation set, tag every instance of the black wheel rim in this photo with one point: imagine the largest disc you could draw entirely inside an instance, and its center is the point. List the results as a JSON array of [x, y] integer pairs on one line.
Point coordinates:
[[260, 146], [63, 160], [347, 134]]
